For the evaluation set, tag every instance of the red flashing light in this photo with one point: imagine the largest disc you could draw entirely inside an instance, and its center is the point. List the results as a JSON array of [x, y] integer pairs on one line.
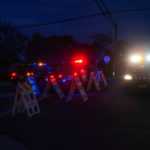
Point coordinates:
[[60, 76], [75, 74], [82, 71], [79, 61], [13, 74]]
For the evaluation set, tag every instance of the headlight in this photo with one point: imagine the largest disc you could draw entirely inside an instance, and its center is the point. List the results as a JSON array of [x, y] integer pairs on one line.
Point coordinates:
[[148, 57], [128, 77], [136, 58]]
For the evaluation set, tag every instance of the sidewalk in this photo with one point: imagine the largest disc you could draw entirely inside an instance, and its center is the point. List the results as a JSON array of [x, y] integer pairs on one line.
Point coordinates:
[[7, 143]]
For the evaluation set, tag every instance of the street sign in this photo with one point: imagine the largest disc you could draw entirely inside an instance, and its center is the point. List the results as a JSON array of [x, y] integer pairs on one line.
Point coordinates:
[[106, 59]]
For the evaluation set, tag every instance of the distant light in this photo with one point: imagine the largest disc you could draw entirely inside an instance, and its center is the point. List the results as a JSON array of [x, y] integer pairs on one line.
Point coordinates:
[[32, 74], [44, 64], [128, 77], [64, 80]]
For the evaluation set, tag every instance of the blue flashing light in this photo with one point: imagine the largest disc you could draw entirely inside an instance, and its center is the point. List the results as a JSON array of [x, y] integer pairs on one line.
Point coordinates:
[[35, 64], [64, 80], [44, 64]]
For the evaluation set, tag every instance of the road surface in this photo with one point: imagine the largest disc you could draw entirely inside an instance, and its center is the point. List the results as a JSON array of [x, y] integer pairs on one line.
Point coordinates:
[[110, 120]]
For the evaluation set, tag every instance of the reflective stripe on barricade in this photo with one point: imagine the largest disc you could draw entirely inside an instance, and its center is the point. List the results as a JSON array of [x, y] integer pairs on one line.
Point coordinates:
[[46, 91], [18, 102], [76, 82], [102, 76], [34, 85], [25, 100], [57, 88], [91, 79]]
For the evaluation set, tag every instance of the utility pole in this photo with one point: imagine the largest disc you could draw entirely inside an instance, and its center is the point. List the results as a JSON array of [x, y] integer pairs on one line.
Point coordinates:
[[116, 36], [109, 18]]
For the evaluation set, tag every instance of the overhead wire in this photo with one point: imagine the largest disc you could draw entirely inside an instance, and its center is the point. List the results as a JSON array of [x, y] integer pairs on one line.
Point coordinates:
[[80, 18]]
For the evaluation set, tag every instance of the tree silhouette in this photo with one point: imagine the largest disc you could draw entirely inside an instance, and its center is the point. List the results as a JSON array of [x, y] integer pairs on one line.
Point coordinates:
[[49, 48], [12, 43]]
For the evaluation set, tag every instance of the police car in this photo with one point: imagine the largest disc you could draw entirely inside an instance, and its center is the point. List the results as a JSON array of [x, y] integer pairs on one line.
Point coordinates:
[[20, 72], [65, 71]]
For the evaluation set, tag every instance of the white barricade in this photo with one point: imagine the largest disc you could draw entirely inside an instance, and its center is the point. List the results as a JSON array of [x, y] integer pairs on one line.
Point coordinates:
[[25, 100], [91, 80], [34, 85], [102, 76], [46, 91], [76, 82], [84, 78], [57, 87]]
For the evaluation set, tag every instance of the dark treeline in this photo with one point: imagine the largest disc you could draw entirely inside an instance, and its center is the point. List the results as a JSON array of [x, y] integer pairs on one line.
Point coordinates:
[[15, 47]]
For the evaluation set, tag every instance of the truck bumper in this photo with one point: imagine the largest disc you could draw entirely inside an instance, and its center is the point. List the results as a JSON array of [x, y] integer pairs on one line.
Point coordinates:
[[137, 83]]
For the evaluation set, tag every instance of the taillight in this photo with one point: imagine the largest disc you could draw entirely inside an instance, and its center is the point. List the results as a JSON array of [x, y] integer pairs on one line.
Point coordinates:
[[75, 74], [13, 74], [60, 76], [51, 76]]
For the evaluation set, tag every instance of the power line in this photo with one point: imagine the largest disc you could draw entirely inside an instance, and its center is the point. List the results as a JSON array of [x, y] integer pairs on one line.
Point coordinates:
[[104, 13], [58, 21], [130, 10], [107, 10], [80, 18]]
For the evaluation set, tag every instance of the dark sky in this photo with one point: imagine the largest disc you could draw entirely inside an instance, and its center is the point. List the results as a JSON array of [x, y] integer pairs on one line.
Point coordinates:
[[133, 27]]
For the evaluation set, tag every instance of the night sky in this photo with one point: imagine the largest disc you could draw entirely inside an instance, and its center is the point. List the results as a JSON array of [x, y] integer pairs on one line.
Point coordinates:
[[133, 27]]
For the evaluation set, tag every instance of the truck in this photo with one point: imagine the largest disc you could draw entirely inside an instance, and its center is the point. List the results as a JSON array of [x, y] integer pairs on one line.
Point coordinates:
[[137, 74]]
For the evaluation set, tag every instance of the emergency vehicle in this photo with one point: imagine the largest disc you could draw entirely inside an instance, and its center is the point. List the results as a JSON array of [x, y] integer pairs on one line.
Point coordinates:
[[65, 71]]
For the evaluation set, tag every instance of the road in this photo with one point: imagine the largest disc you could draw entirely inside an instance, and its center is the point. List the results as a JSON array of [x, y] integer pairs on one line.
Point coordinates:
[[110, 120]]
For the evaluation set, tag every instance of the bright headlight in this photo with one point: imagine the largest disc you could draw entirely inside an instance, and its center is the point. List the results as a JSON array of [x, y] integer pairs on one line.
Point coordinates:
[[148, 57], [128, 77], [135, 58]]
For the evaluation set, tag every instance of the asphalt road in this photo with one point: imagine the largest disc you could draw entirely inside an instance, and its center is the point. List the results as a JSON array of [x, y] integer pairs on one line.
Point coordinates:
[[110, 120]]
